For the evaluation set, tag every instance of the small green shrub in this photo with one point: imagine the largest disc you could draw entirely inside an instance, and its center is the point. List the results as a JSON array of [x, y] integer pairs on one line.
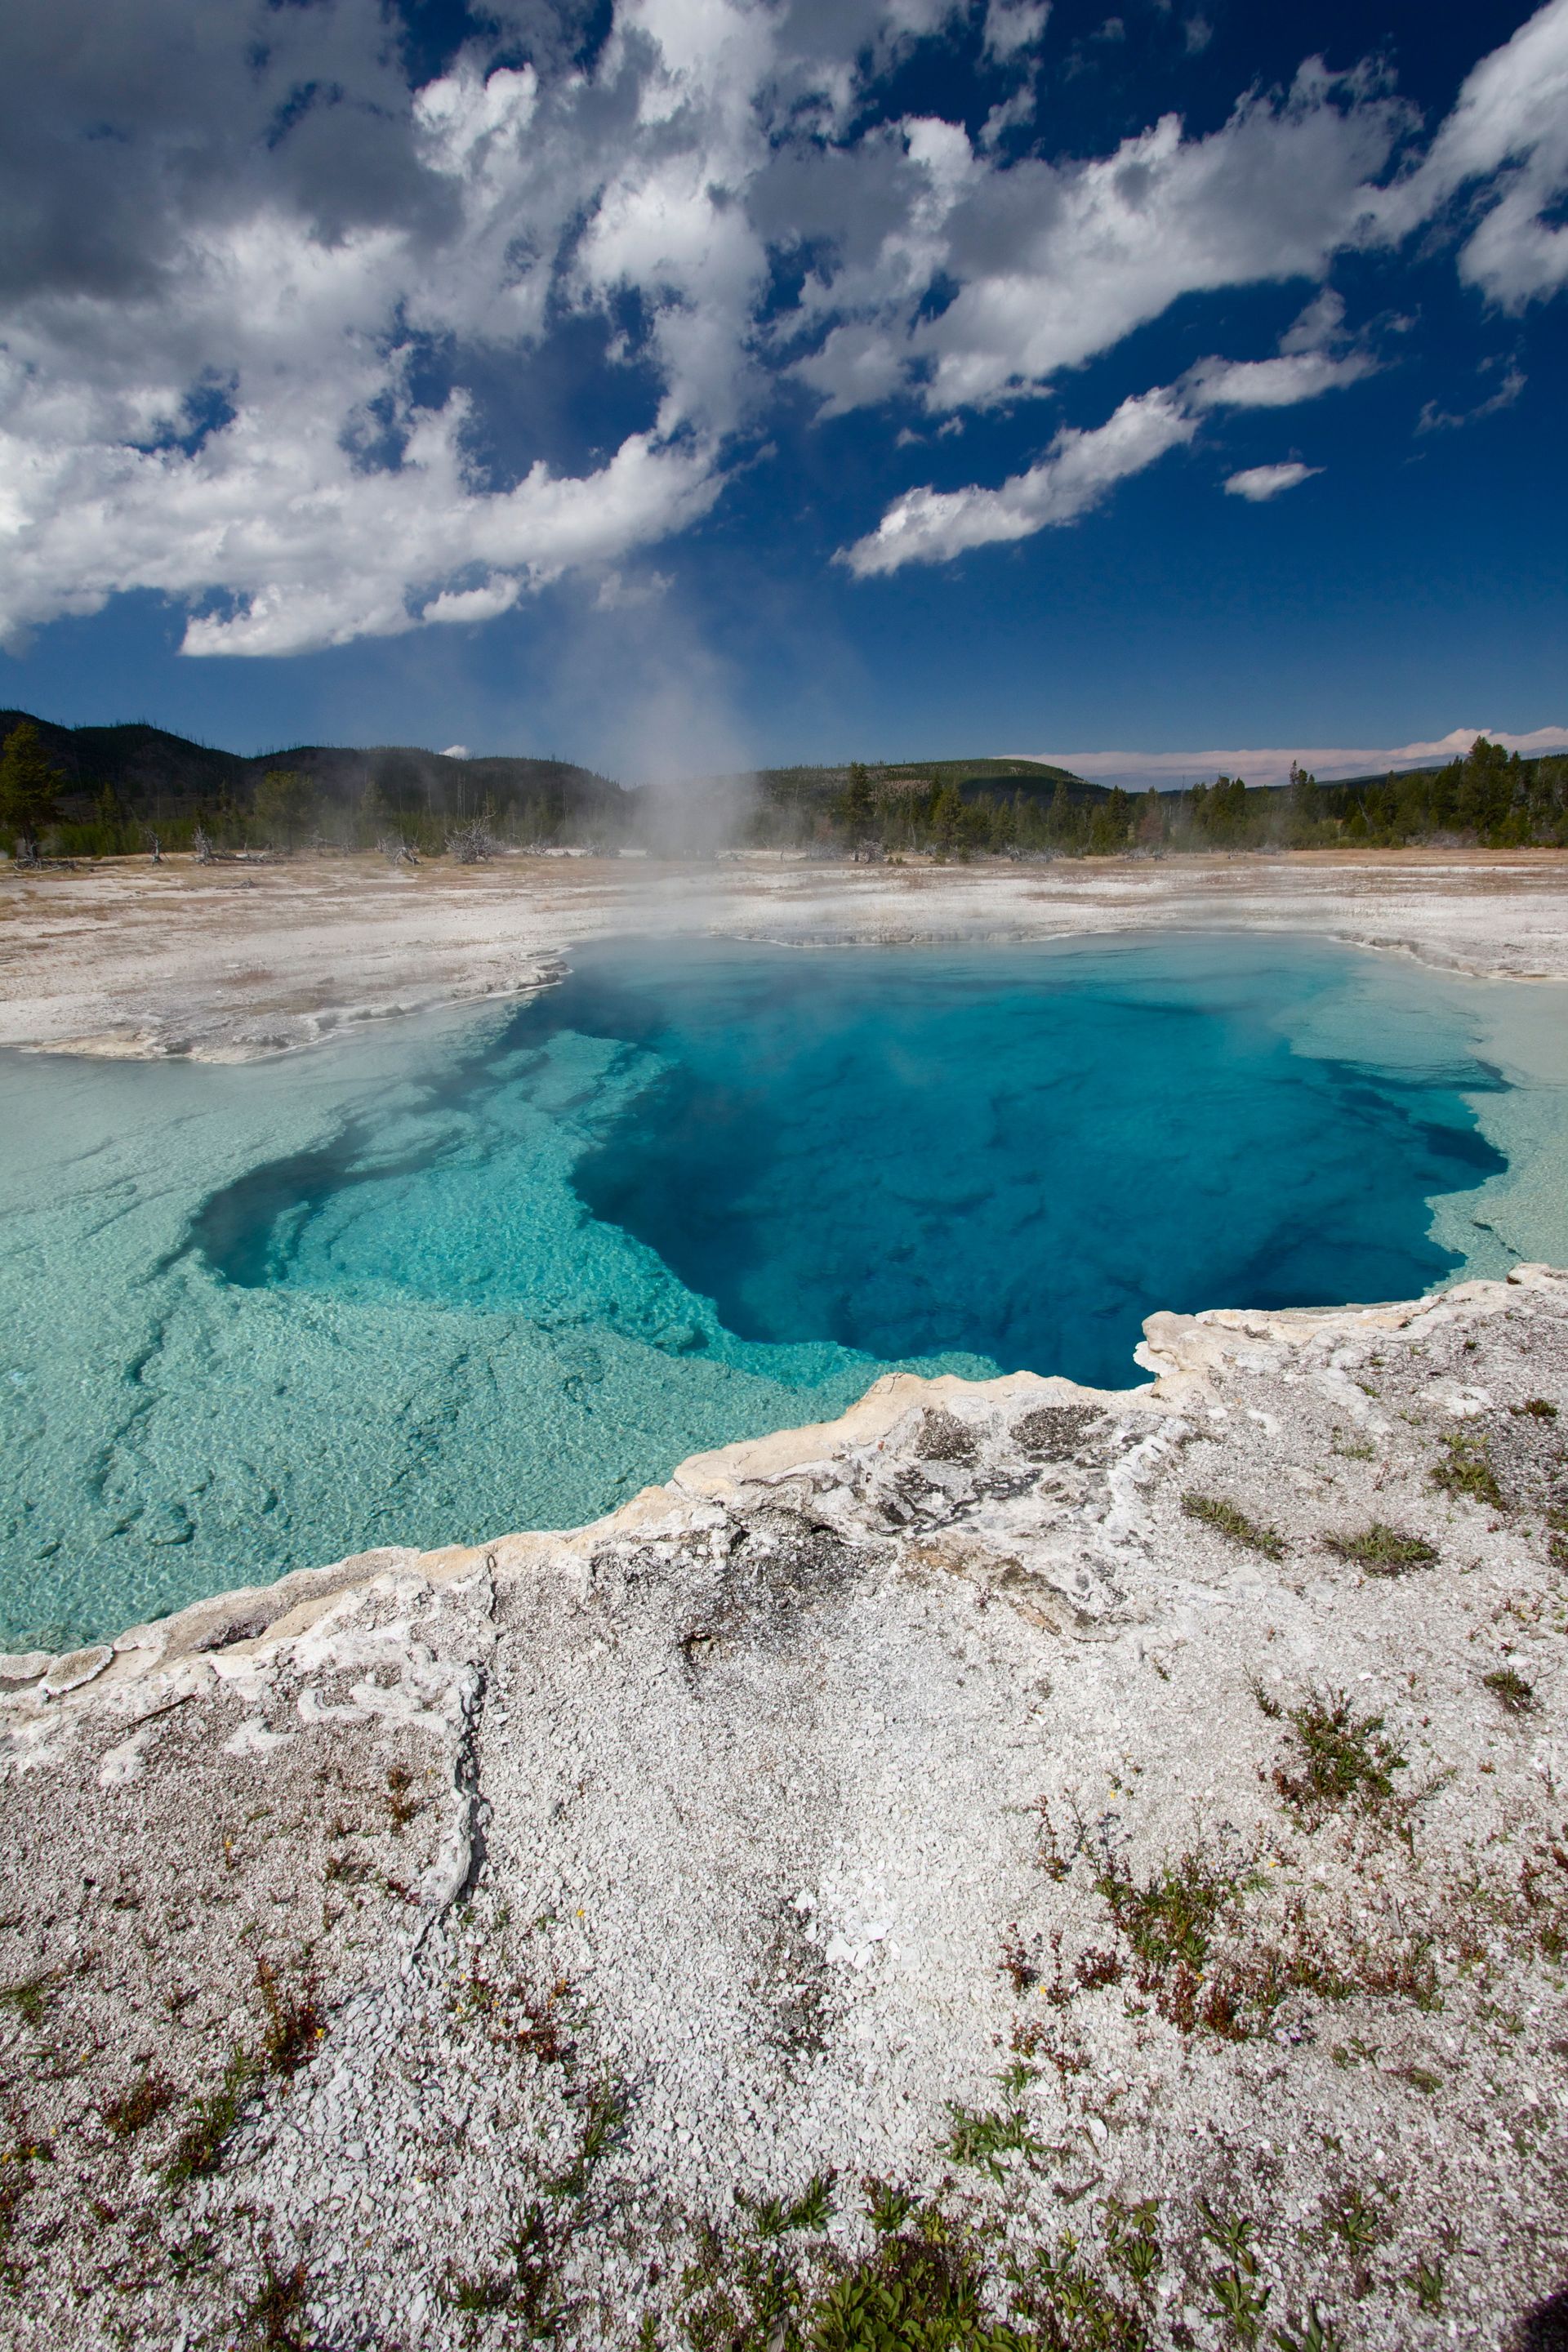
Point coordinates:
[[1171, 1918], [1510, 1691], [30, 2000], [274, 2320], [199, 2149], [1426, 2283], [1233, 1524], [1467, 1470], [1314, 2335], [774, 2217], [460, 2292], [294, 2027], [1340, 1758], [1383, 1551], [981, 2137], [602, 2121]]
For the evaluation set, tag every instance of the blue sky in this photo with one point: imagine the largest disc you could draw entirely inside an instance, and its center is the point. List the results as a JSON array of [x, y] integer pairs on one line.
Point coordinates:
[[689, 383]]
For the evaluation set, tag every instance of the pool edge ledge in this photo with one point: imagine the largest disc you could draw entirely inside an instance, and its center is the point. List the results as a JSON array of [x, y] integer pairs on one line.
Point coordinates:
[[1187, 1355]]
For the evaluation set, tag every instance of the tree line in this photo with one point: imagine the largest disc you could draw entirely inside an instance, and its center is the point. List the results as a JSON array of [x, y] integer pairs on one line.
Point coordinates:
[[950, 810], [1489, 797]]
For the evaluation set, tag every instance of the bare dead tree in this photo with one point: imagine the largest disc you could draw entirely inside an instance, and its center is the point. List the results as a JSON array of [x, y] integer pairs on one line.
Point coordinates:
[[471, 843]]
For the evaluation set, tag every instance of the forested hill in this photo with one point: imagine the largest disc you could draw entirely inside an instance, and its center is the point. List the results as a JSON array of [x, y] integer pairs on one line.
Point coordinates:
[[107, 790], [119, 783]]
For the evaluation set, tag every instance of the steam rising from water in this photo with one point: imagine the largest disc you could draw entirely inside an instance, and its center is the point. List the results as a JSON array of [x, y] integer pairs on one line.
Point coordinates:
[[639, 683]]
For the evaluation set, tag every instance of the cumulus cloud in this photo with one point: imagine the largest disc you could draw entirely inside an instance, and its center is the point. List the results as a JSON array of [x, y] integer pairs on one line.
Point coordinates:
[[271, 319], [1274, 383], [1055, 264], [1260, 482], [321, 499]]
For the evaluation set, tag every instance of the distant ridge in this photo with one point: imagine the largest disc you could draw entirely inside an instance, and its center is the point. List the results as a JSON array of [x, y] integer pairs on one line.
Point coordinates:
[[144, 768]]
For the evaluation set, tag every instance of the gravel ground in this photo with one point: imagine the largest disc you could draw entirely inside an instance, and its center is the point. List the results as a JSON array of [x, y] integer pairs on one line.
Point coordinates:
[[1107, 1853]]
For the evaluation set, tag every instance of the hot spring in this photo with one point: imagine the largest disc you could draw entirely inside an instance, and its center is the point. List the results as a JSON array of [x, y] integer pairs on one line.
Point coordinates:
[[469, 1275]]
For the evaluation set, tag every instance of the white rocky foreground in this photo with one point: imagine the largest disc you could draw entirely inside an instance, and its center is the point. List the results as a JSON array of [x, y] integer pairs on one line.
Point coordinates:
[[1093, 1862]]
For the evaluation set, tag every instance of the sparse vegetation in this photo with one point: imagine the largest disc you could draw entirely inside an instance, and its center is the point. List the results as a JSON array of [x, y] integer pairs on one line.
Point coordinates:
[[294, 2022], [30, 2000], [1467, 1469], [139, 2106], [1426, 2283], [1239, 2300], [1314, 2334], [1340, 1758], [294, 2026], [1132, 2244], [1233, 1524], [1510, 1691], [401, 1802], [1016, 1963], [1383, 1551], [1170, 1919], [934, 2280], [984, 2137], [463, 2292], [775, 2217], [274, 2320], [1358, 2225], [603, 2117], [1266, 1704], [199, 2149]]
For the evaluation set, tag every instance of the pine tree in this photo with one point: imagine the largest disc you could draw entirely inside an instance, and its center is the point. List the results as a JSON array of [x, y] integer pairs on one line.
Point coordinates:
[[857, 811], [28, 783]]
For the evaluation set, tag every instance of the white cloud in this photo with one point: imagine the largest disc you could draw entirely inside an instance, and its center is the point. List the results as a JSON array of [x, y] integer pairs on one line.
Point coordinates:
[[325, 502], [1274, 383], [933, 526], [1055, 264], [1166, 771], [498, 595], [1433, 419], [1015, 24], [247, 270], [1507, 140], [1260, 482], [929, 525]]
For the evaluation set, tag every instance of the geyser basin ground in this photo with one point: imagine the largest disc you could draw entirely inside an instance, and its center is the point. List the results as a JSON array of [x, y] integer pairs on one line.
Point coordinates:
[[498, 1270]]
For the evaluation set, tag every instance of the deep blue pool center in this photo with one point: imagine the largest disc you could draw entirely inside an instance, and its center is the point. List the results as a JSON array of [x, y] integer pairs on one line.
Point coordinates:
[[1009, 1154]]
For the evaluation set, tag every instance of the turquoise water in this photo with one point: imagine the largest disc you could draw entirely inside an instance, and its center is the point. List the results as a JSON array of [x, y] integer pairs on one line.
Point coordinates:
[[501, 1271]]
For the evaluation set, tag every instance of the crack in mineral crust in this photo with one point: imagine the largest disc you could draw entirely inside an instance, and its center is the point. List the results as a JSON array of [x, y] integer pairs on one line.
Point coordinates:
[[792, 1802]]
